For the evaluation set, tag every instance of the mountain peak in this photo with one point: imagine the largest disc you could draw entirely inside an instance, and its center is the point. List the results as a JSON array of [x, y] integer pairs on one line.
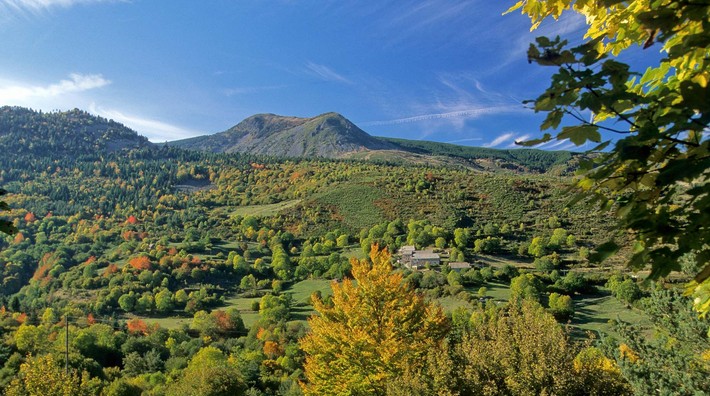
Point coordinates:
[[326, 135]]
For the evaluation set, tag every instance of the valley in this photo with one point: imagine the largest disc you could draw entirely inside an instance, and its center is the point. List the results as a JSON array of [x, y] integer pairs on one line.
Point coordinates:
[[153, 255]]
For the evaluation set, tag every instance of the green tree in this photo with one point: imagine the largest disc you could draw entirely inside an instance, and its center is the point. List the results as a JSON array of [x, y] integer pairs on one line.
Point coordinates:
[[375, 329], [248, 284], [558, 238], [275, 308], [127, 302], [519, 350], [204, 323], [462, 237], [342, 241], [164, 301], [31, 338], [42, 376], [526, 286], [626, 290], [675, 360], [6, 226], [209, 374], [656, 175], [537, 247], [561, 306]]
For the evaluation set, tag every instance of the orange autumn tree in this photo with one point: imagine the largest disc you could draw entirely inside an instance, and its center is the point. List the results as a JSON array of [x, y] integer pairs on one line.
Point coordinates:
[[375, 328]]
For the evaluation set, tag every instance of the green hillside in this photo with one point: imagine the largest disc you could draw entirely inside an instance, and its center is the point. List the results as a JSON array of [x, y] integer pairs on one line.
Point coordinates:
[[528, 159], [74, 132], [162, 257]]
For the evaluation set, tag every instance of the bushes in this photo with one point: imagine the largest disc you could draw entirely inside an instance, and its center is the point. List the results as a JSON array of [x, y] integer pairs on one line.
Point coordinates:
[[561, 306], [625, 289]]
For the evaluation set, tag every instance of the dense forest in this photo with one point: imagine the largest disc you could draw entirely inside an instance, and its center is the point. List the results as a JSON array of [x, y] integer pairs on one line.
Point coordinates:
[[137, 269]]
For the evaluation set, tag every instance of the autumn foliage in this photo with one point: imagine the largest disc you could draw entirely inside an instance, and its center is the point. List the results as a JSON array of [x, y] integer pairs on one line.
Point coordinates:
[[138, 326], [374, 318], [140, 262], [111, 269], [43, 375]]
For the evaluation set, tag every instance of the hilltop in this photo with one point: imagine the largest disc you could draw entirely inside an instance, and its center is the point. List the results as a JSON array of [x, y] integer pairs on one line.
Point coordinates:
[[74, 132], [331, 135], [328, 135]]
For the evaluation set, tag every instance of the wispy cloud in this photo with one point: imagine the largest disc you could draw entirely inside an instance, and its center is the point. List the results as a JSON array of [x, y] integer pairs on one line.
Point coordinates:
[[500, 139], [13, 92], [464, 140], [251, 90], [553, 144], [326, 73], [508, 140], [467, 113], [457, 99], [154, 130], [39, 5], [33, 8], [407, 23], [518, 139], [569, 26]]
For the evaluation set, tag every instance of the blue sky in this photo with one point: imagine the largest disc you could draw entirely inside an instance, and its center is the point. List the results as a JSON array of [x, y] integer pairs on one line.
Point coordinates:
[[448, 71]]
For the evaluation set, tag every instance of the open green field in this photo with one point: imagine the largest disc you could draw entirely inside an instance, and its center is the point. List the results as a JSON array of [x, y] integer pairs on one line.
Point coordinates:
[[498, 262], [499, 291], [354, 204], [450, 303], [354, 252], [265, 210], [170, 322], [593, 313], [299, 291], [302, 290]]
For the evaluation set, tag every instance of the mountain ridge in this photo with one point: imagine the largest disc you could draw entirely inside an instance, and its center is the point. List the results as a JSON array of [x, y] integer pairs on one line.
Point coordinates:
[[331, 135], [327, 135]]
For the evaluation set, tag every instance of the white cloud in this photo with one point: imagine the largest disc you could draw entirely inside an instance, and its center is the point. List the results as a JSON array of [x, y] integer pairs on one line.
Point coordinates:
[[464, 140], [251, 90], [461, 97], [156, 131], [552, 144], [325, 73], [518, 139], [40, 5], [12, 92], [570, 146], [470, 113], [500, 139], [569, 26]]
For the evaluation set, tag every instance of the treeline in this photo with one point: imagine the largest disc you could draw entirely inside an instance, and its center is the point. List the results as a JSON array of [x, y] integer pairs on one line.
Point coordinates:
[[521, 159]]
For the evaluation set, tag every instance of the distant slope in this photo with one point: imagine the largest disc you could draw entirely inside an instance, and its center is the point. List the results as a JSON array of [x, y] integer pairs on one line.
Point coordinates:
[[328, 135], [529, 159], [333, 136], [74, 132]]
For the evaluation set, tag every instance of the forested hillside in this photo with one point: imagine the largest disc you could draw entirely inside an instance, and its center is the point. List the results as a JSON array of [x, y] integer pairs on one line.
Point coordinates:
[[182, 272], [331, 135], [58, 134]]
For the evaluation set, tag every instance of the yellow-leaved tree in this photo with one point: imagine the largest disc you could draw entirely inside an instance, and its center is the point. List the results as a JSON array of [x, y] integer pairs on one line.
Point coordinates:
[[43, 376], [657, 175], [375, 328]]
